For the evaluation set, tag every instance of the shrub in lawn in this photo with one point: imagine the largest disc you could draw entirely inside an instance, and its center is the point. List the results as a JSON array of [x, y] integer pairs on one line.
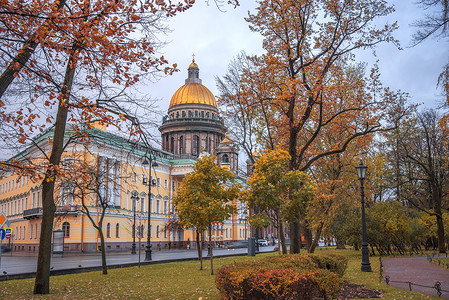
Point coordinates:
[[283, 277]]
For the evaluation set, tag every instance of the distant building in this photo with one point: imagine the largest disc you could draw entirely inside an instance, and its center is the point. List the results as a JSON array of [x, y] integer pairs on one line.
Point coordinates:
[[191, 126]]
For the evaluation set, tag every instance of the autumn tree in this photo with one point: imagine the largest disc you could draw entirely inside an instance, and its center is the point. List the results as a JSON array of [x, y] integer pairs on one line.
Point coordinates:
[[205, 198], [85, 50], [92, 184], [279, 193], [302, 80], [423, 148]]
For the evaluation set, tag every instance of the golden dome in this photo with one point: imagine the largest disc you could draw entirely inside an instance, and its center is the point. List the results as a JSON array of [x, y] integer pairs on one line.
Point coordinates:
[[193, 93], [193, 65]]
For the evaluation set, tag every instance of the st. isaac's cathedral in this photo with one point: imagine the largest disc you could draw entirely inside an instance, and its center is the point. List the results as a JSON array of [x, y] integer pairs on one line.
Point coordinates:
[[192, 126]]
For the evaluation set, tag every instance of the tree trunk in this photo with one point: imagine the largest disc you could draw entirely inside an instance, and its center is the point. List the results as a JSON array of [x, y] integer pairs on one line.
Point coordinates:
[[316, 239], [440, 232], [42, 282], [294, 234], [103, 251], [340, 244], [308, 237], [282, 237], [199, 246], [211, 254]]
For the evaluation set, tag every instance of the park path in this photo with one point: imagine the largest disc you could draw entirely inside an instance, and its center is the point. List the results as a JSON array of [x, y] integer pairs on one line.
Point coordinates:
[[418, 273]]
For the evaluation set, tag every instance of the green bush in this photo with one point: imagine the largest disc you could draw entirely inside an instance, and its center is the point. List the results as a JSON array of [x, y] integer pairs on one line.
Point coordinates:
[[283, 277]]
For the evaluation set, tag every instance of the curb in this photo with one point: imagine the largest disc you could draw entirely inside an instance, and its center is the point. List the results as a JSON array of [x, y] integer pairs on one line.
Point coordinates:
[[110, 267]]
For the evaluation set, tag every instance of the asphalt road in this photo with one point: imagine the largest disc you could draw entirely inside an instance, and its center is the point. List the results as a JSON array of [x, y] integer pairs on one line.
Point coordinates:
[[20, 263]]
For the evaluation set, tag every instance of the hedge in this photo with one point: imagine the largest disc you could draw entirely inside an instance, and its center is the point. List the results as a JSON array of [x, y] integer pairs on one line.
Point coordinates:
[[283, 277]]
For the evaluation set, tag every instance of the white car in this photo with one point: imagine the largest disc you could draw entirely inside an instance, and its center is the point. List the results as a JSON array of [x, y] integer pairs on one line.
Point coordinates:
[[262, 243]]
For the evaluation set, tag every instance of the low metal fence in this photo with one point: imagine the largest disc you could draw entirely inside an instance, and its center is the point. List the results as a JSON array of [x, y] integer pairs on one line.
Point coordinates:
[[437, 285]]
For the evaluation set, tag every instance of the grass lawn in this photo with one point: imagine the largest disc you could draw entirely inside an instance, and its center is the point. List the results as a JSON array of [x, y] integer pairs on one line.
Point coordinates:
[[441, 262], [180, 280]]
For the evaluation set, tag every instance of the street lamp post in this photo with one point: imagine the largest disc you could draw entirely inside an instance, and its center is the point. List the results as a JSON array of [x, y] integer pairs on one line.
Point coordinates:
[[149, 161], [133, 248], [361, 173]]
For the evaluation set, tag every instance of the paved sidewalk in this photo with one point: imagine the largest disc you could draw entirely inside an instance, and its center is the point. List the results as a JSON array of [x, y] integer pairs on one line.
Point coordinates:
[[419, 272], [16, 264]]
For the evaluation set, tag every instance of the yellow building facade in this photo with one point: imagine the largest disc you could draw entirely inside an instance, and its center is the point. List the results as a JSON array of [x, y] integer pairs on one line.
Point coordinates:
[[115, 175]]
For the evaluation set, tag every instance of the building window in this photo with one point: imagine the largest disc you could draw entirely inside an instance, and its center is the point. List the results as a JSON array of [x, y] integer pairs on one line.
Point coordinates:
[[108, 230], [181, 145], [225, 158], [173, 186], [165, 183], [66, 196], [68, 163], [157, 231], [166, 207], [117, 230], [158, 205], [134, 177], [183, 114], [66, 229], [142, 201], [196, 145], [172, 145], [31, 231], [158, 182], [196, 113]]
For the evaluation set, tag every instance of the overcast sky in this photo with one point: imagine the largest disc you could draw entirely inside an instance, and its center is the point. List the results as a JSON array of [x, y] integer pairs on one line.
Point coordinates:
[[216, 37]]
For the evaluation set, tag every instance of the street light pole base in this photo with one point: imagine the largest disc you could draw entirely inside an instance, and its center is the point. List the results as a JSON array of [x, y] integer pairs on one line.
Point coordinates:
[[148, 252], [366, 267]]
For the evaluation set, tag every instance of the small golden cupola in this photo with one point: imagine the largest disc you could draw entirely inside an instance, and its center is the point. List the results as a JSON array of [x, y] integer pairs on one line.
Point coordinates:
[[228, 154]]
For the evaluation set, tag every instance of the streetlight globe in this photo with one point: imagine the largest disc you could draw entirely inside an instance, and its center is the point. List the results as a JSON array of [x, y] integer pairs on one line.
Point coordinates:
[[361, 170]]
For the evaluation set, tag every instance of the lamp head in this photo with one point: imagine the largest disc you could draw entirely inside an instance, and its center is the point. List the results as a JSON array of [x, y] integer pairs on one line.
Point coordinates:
[[361, 170]]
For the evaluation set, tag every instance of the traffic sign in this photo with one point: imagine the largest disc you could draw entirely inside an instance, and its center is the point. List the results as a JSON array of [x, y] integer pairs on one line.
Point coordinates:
[[3, 219], [2, 234], [8, 231]]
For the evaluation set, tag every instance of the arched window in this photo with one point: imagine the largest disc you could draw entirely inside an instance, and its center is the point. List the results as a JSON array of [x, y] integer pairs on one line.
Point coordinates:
[[117, 230], [181, 145], [158, 204], [177, 115], [142, 201], [108, 230], [225, 158], [183, 114], [66, 229], [172, 145], [157, 231], [196, 145]]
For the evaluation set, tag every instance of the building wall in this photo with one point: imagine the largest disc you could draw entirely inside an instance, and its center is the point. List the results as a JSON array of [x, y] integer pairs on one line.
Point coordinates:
[[21, 201]]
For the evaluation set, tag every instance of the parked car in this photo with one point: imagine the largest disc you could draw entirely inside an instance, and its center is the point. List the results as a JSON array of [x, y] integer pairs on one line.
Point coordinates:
[[238, 244], [5, 249], [262, 243]]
